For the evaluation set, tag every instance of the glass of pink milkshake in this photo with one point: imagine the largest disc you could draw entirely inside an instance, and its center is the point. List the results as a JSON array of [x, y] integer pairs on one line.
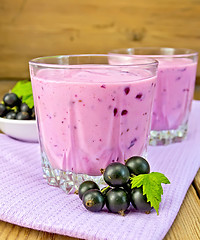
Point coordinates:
[[90, 113], [174, 91]]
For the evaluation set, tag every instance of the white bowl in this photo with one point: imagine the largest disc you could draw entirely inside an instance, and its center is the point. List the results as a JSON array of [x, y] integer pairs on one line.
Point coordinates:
[[24, 130]]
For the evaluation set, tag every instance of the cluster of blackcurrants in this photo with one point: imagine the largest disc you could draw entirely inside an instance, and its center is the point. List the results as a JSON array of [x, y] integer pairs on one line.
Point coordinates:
[[118, 194], [13, 108]]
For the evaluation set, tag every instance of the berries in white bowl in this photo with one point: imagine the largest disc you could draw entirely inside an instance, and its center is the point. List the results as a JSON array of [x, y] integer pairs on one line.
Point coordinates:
[[17, 115]]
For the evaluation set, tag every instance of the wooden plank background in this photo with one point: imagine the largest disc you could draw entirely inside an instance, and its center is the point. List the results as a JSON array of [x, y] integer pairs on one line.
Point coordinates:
[[32, 28]]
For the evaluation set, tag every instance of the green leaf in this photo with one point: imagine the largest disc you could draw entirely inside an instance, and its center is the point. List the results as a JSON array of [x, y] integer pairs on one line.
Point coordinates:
[[23, 89], [28, 99], [151, 184], [137, 181]]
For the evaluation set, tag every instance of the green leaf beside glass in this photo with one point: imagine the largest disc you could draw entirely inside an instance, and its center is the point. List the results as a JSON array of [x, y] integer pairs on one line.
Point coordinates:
[[23, 90]]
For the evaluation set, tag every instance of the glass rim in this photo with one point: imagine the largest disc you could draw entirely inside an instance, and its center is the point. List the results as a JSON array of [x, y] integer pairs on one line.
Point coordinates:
[[37, 61], [188, 52]]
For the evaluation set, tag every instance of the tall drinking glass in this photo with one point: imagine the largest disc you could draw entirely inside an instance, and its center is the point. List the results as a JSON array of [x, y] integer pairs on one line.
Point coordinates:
[[90, 113], [174, 93]]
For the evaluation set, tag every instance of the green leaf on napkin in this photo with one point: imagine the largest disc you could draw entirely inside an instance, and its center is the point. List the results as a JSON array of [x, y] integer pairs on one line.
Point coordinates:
[[23, 89], [151, 184]]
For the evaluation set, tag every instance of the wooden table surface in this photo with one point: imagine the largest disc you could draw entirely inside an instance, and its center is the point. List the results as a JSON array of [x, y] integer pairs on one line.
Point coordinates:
[[185, 227]]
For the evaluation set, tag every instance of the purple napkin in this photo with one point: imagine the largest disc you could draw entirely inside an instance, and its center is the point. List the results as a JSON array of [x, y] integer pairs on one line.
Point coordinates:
[[27, 200]]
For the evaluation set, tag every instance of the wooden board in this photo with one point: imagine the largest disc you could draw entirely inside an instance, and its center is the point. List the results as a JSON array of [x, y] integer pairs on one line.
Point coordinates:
[[33, 28], [186, 225]]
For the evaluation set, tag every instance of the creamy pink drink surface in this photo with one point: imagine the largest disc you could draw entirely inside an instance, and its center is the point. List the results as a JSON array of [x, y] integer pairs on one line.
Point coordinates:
[[174, 93], [89, 118]]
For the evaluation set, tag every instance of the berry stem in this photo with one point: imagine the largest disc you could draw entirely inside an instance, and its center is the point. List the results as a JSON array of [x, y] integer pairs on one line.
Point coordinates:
[[102, 171], [148, 212], [121, 212], [104, 189]]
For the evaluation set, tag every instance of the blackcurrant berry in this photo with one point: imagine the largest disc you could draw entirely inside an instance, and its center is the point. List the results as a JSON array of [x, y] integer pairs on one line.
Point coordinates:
[[127, 186], [25, 108], [93, 200], [3, 110], [11, 115], [22, 116], [137, 165], [117, 200], [116, 174], [85, 186], [33, 113], [11, 100], [139, 201]]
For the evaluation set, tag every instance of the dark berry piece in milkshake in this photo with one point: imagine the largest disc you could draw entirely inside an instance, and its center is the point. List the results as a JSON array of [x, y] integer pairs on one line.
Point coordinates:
[[139, 96], [127, 90], [124, 112], [115, 111]]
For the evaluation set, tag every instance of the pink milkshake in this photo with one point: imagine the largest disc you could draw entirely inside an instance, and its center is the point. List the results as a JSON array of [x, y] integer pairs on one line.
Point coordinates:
[[174, 91], [91, 115]]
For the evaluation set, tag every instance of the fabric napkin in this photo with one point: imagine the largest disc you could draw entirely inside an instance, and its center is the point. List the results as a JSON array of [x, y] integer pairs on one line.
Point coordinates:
[[27, 200]]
